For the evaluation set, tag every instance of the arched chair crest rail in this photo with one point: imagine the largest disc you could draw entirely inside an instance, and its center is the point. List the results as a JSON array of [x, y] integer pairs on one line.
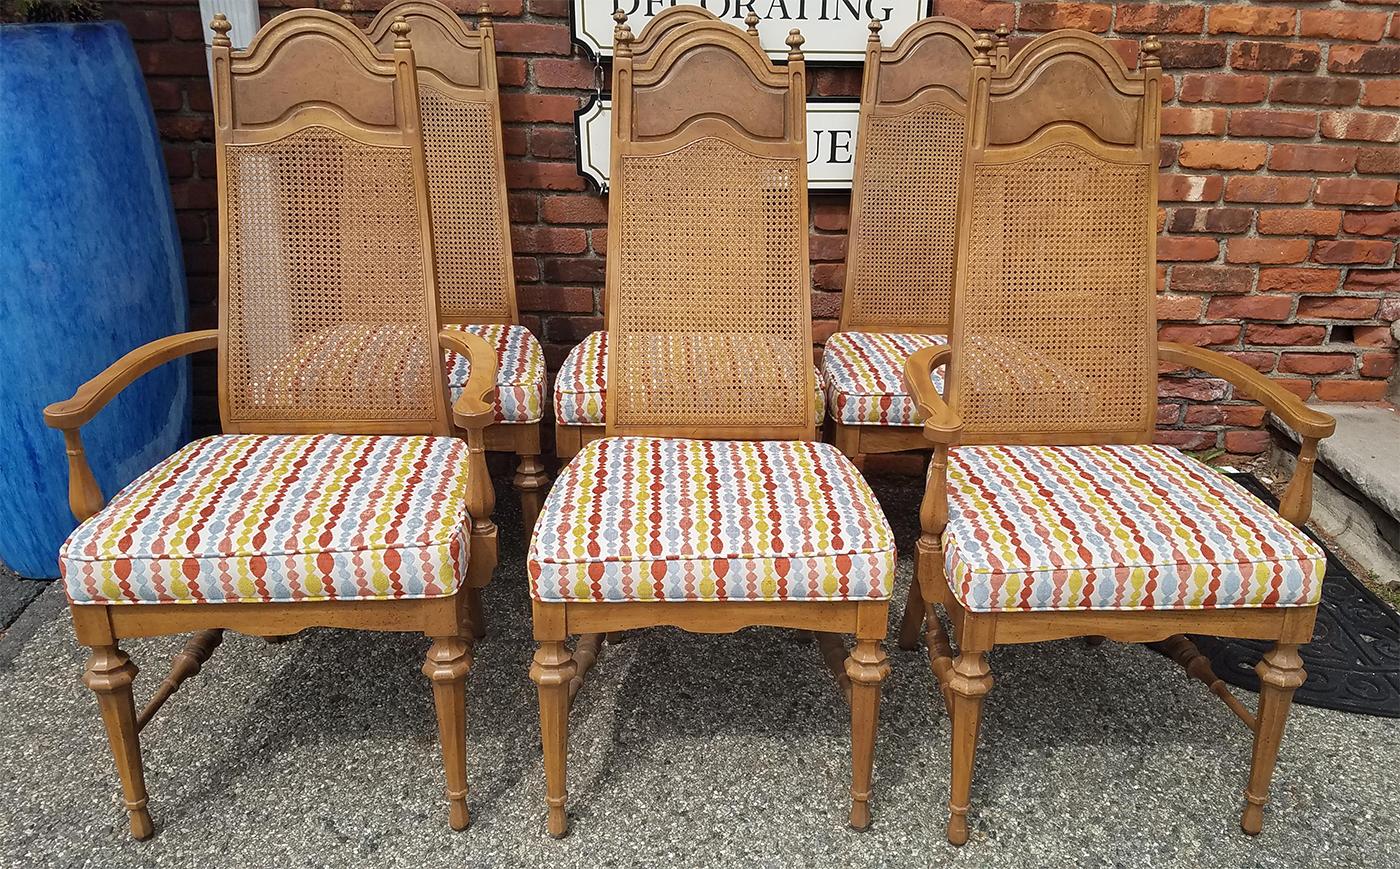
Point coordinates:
[[337, 494], [460, 106], [1045, 424], [710, 421], [903, 229]]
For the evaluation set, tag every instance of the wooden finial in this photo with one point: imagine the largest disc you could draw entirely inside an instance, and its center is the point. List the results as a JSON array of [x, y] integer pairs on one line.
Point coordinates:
[[483, 15], [1002, 33], [622, 35], [983, 46], [400, 30], [1150, 47], [221, 26], [346, 7], [794, 43], [752, 20], [875, 26]]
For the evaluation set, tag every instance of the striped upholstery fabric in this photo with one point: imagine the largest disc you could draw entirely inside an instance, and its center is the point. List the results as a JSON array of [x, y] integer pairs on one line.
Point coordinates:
[[1137, 527], [865, 377], [580, 390], [520, 372], [280, 518], [644, 519]]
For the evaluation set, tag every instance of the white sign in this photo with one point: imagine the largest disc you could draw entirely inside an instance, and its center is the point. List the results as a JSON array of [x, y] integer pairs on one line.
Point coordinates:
[[835, 30], [831, 141]]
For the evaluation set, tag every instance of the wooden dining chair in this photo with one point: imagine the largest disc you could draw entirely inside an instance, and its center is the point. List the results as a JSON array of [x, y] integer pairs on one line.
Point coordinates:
[[1049, 512], [336, 495], [460, 105], [708, 506], [903, 225], [581, 386]]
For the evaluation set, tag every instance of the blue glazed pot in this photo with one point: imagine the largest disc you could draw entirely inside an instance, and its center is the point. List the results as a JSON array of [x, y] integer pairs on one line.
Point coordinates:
[[90, 267]]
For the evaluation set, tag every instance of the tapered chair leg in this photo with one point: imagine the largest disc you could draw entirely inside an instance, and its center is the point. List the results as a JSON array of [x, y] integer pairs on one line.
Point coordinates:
[[109, 674], [969, 684], [866, 668], [552, 671], [1280, 674], [532, 481], [912, 624], [449, 659], [475, 613]]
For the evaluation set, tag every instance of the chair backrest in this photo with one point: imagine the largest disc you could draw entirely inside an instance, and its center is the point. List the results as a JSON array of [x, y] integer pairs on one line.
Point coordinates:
[[1053, 299], [675, 16], [908, 169], [708, 278], [459, 101], [326, 299]]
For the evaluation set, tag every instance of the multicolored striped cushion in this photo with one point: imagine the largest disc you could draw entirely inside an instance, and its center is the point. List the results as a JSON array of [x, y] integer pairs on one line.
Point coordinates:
[[1137, 527], [644, 519], [580, 390], [520, 373], [280, 518], [865, 377]]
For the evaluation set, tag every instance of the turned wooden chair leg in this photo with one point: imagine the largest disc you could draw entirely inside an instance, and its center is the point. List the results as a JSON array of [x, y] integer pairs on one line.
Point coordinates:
[[532, 481], [969, 683], [552, 671], [912, 623], [1280, 673], [449, 659], [109, 674], [866, 668]]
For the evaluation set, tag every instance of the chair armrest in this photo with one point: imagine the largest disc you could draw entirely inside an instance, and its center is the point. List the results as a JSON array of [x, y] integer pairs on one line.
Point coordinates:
[[1306, 421], [92, 396], [475, 408], [941, 424]]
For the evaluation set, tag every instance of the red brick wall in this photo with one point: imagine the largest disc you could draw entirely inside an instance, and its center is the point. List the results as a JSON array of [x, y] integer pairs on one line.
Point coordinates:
[[1279, 201]]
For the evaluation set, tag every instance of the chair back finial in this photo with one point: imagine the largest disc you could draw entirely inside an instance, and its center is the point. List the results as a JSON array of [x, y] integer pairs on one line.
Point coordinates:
[[1053, 304], [326, 296], [459, 100], [708, 285], [908, 161]]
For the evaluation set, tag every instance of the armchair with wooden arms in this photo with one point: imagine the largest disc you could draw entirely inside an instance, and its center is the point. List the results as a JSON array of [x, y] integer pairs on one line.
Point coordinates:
[[460, 106], [899, 251], [580, 388], [336, 494], [709, 505], [1049, 512]]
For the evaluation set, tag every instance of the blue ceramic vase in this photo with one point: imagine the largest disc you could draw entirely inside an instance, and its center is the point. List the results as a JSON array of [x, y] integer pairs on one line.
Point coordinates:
[[90, 267]]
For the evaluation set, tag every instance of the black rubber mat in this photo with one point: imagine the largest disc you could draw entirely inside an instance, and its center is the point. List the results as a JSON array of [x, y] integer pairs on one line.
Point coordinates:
[[1353, 661]]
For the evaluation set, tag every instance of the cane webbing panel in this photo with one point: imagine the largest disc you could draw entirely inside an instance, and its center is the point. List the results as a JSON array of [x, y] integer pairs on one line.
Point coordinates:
[[1057, 267], [902, 269], [712, 246], [324, 247], [469, 230]]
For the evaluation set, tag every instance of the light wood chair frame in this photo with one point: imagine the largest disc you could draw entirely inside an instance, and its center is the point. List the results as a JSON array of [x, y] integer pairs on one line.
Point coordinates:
[[963, 675], [445, 620], [460, 64], [557, 671], [913, 74]]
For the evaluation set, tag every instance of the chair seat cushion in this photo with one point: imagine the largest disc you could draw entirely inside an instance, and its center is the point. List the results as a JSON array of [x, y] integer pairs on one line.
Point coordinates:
[[580, 389], [280, 518], [520, 372], [646, 519], [1133, 527], [865, 377]]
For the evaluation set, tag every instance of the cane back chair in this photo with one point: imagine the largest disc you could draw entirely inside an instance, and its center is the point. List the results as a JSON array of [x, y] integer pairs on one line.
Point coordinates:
[[680, 516], [460, 106], [580, 388], [899, 254], [336, 495], [1049, 513]]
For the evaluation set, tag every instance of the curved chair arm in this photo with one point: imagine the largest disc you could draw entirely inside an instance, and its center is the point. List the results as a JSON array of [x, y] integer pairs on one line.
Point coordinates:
[[1311, 424], [92, 396], [84, 495], [473, 411], [941, 426]]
